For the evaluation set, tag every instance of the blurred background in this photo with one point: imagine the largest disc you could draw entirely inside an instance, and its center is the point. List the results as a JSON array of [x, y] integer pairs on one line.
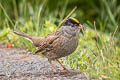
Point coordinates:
[[98, 52]]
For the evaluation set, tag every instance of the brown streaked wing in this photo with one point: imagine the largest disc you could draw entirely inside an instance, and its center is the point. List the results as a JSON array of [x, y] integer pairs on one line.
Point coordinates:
[[45, 43]]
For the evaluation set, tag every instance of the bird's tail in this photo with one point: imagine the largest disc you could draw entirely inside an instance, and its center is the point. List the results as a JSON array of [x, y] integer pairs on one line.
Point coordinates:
[[35, 40], [27, 36]]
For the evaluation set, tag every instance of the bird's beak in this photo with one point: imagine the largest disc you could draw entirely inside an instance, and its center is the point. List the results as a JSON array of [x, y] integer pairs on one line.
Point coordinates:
[[82, 28]]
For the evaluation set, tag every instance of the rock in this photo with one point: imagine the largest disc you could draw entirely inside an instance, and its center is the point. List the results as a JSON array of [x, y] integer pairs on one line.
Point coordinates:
[[19, 64]]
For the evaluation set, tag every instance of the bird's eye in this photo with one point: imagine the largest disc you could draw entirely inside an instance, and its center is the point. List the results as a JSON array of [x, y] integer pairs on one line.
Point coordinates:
[[72, 25]]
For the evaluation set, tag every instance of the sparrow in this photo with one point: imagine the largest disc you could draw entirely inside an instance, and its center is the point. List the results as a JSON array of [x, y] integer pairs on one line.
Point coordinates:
[[59, 43]]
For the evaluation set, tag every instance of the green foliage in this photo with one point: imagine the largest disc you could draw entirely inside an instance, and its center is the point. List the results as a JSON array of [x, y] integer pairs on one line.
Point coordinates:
[[105, 12], [98, 51], [108, 15]]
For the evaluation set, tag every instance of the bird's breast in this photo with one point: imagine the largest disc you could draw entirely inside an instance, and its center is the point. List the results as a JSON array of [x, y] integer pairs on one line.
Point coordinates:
[[67, 46]]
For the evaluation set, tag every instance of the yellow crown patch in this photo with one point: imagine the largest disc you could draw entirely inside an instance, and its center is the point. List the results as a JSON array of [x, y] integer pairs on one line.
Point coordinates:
[[75, 20]]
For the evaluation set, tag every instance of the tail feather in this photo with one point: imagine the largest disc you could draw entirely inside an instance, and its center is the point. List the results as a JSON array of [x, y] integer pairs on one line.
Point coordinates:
[[29, 37], [35, 40], [22, 34]]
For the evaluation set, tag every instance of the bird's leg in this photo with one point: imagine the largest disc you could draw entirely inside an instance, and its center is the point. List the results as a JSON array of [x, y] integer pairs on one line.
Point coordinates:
[[50, 61], [61, 64]]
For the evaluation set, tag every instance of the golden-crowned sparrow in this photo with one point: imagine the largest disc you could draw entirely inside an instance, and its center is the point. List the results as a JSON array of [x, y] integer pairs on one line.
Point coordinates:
[[59, 43]]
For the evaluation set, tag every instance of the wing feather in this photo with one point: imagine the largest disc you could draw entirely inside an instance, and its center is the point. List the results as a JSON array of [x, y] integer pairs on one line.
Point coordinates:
[[47, 41]]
